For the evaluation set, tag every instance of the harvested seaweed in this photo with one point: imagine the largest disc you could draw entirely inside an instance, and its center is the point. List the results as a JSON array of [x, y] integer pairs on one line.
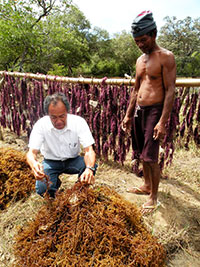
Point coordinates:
[[16, 178], [87, 226]]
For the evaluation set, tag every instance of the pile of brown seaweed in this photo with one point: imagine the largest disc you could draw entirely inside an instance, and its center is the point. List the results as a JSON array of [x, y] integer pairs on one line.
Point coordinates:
[[87, 226], [16, 178]]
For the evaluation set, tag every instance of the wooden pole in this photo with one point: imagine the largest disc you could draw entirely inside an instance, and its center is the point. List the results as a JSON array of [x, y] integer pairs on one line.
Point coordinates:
[[115, 81]]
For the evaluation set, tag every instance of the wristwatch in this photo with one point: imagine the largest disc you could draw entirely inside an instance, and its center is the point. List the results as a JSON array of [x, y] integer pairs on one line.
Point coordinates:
[[91, 168]]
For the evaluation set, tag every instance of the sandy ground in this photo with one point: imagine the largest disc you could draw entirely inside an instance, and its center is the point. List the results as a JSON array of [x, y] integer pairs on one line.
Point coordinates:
[[176, 222]]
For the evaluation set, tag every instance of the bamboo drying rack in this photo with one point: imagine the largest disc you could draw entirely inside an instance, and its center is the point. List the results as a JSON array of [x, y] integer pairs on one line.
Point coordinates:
[[187, 82]]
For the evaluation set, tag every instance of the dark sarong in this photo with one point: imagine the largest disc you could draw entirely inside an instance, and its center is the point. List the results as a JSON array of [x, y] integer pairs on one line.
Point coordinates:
[[144, 121]]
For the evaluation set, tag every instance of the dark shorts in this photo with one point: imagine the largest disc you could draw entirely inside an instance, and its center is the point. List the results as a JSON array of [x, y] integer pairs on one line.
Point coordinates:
[[144, 121]]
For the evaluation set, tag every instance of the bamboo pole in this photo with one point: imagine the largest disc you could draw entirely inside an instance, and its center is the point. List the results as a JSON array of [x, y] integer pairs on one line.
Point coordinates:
[[70, 79], [115, 81]]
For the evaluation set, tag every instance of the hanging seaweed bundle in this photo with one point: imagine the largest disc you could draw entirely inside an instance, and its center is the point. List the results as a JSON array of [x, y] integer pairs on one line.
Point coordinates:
[[189, 126], [16, 178], [87, 227], [112, 104], [21, 103], [197, 127], [171, 130], [103, 106], [183, 124]]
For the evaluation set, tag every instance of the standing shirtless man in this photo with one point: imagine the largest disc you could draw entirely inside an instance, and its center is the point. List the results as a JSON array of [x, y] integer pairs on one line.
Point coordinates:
[[150, 103]]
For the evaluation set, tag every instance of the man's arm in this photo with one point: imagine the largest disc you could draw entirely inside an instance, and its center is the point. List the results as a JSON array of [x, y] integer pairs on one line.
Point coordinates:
[[169, 78], [36, 166], [90, 159]]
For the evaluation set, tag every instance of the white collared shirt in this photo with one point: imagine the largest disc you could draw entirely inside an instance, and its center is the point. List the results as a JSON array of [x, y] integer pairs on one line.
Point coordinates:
[[60, 144]]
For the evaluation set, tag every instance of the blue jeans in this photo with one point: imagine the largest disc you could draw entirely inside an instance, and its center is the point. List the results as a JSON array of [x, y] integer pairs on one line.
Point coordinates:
[[53, 168]]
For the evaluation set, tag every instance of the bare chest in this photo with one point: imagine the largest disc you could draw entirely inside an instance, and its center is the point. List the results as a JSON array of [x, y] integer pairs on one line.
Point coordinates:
[[149, 67]]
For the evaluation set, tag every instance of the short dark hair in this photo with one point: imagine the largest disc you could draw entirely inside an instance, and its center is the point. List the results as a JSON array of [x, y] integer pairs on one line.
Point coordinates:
[[54, 99]]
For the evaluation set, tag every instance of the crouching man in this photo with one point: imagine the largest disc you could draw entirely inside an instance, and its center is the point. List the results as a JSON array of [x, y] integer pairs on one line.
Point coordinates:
[[59, 137]]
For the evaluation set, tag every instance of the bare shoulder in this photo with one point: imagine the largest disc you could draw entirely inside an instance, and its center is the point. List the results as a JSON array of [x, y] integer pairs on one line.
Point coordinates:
[[168, 63], [139, 59], [141, 56], [166, 56]]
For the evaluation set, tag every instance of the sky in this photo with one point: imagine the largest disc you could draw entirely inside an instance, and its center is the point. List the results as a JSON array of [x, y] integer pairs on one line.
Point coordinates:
[[117, 15]]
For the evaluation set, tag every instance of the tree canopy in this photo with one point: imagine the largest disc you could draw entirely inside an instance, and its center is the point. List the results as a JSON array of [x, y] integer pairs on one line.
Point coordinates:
[[55, 37], [182, 37]]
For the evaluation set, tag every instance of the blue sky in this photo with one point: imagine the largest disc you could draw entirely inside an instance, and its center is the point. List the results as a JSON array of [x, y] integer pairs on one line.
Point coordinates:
[[117, 15]]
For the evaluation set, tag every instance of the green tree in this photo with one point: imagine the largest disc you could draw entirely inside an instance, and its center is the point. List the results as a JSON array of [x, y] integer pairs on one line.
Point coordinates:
[[110, 57], [182, 38], [126, 53], [36, 35], [19, 36], [101, 62], [67, 39]]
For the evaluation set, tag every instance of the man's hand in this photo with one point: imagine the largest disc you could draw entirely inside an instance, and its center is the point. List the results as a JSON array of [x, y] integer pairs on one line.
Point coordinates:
[[36, 166], [90, 157], [38, 171], [87, 176], [159, 132], [126, 124]]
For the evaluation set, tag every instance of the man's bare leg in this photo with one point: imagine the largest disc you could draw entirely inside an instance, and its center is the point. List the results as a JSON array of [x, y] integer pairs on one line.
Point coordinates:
[[151, 182], [144, 189], [147, 177], [154, 179]]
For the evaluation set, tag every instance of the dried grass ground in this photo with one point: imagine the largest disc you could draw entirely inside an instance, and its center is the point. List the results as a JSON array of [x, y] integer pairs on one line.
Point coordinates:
[[176, 223]]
